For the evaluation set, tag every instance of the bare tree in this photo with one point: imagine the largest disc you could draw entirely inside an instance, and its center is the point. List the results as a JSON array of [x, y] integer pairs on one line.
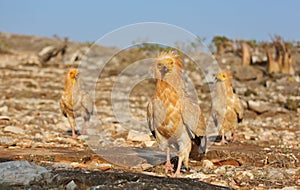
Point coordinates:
[[222, 44], [273, 66], [283, 55]]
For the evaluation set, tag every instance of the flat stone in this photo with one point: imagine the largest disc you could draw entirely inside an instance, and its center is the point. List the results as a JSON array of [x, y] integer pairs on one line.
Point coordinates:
[[149, 143], [7, 141], [258, 106], [137, 136], [103, 167], [290, 188], [198, 175], [4, 118], [14, 129], [20, 172]]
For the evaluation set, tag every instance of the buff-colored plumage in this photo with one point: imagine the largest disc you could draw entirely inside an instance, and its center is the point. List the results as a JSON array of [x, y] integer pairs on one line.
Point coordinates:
[[174, 118], [227, 109], [74, 102]]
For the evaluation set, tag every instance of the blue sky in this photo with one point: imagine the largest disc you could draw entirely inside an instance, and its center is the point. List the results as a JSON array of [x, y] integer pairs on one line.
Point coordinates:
[[89, 20]]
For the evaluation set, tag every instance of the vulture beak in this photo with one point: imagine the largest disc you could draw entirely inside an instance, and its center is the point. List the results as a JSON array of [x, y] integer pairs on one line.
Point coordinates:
[[76, 76], [163, 71]]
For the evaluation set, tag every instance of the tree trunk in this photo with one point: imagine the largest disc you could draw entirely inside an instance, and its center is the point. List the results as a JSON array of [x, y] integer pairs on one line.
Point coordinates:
[[220, 49], [246, 54], [273, 66]]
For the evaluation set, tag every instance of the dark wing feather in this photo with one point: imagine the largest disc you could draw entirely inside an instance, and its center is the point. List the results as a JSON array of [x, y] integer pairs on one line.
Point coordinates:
[[194, 122], [150, 116], [192, 117]]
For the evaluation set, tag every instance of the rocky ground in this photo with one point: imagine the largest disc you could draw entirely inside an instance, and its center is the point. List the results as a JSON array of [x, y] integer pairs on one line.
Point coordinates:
[[120, 148]]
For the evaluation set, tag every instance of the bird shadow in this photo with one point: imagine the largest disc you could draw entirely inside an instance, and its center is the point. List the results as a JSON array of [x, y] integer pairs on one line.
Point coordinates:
[[132, 156]]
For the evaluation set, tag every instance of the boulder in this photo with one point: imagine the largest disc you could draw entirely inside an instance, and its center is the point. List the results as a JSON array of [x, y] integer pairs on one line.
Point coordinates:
[[14, 129], [247, 73], [258, 106]]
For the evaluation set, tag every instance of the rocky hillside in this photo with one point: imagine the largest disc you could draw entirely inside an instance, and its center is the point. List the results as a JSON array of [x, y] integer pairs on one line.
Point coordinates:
[[32, 127]]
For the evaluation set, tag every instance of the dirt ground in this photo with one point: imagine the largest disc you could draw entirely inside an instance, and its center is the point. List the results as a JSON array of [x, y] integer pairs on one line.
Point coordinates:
[[265, 156]]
